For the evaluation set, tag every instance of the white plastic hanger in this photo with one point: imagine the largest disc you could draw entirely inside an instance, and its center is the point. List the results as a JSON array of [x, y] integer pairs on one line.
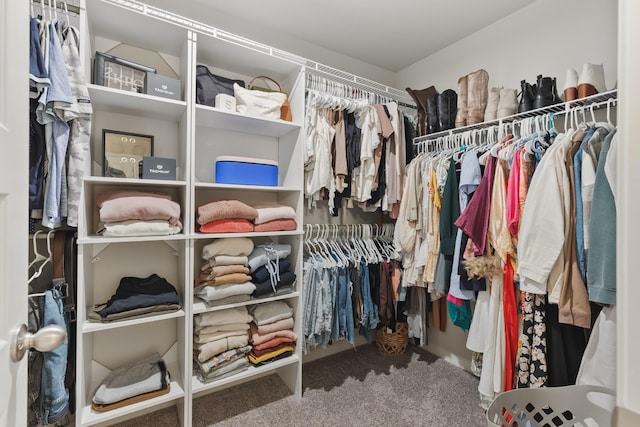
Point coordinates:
[[47, 260], [593, 115], [354, 242], [338, 249], [44, 11], [38, 256]]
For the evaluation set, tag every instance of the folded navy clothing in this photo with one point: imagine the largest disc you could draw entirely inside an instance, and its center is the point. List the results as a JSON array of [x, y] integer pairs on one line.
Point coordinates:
[[262, 274], [269, 292], [136, 292], [139, 301], [268, 254], [286, 280], [152, 285]]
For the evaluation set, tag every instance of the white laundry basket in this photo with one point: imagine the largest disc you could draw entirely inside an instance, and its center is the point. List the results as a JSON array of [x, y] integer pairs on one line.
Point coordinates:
[[575, 405]]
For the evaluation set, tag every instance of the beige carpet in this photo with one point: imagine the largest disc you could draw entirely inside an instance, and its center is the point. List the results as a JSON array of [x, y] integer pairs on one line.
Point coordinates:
[[352, 388]]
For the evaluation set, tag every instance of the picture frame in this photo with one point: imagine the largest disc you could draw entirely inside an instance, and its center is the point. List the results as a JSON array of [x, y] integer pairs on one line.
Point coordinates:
[[118, 73], [123, 152]]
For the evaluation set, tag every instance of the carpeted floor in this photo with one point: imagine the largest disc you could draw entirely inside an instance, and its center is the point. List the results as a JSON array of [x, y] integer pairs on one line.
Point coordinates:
[[352, 388]]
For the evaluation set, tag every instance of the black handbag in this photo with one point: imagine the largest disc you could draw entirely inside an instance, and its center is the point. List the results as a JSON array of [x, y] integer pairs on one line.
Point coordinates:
[[208, 85]]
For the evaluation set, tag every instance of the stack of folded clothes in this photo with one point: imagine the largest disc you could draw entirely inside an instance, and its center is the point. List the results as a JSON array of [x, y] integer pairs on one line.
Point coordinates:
[[133, 383], [136, 297], [271, 335], [224, 274], [137, 213], [275, 218], [220, 343], [268, 284], [225, 216], [270, 269]]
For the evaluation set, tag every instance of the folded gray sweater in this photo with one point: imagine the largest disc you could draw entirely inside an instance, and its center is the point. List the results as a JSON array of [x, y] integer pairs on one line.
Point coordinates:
[[143, 376]]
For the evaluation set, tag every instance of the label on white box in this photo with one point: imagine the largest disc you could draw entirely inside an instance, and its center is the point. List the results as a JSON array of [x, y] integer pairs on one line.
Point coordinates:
[[225, 102]]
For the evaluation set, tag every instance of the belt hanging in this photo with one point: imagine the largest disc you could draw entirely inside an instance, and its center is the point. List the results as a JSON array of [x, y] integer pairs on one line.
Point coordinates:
[[58, 254]]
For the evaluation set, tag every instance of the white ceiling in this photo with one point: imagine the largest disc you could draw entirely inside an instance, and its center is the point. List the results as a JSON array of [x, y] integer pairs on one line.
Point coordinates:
[[391, 34]]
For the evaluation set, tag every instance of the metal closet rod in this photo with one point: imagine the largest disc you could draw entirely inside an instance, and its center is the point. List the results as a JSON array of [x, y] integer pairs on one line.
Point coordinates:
[[45, 234], [310, 66], [322, 230], [60, 5], [496, 131], [598, 100], [345, 88]]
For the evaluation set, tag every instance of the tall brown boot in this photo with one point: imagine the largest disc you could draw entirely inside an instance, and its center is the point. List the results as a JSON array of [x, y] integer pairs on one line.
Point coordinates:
[[461, 116], [420, 97], [477, 96]]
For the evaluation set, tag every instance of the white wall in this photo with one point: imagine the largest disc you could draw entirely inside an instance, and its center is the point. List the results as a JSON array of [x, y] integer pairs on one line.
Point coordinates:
[[628, 227], [546, 37], [199, 12]]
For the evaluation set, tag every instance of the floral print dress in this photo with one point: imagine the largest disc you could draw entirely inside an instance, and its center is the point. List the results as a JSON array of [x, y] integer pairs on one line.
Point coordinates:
[[532, 362]]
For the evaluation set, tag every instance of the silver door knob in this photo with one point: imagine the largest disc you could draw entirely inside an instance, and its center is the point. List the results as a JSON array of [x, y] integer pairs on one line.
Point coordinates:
[[45, 339]]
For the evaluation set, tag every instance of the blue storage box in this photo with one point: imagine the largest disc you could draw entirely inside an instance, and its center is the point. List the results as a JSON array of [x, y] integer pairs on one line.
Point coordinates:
[[246, 171]]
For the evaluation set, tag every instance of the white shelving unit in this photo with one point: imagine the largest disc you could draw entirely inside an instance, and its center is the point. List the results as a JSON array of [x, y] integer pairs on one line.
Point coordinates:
[[200, 306], [251, 372], [137, 104], [194, 135], [223, 133]]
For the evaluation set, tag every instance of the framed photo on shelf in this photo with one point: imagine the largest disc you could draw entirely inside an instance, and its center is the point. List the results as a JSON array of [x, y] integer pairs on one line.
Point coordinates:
[[123, 153], [117, 73]]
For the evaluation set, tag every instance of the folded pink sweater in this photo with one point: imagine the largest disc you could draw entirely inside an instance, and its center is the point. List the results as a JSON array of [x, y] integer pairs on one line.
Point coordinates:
[[273, 343], [227, 226], [277, 225], [117, 194], [257, 338], [141, 208], [276, 326], [225, 209]]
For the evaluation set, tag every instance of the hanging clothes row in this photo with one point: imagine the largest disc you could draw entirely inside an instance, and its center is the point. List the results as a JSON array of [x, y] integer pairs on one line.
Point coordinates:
[[355, 150], [60, 118], [352, 90], [504, 216], [351, 282]]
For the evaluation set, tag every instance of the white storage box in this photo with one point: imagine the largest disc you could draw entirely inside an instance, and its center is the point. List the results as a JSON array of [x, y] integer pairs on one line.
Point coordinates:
[[225, 102]]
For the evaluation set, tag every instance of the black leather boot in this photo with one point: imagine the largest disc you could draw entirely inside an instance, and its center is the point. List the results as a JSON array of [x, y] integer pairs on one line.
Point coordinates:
[[544, 94], [433, 124], [447, 109], [527, 92], [556, 97]]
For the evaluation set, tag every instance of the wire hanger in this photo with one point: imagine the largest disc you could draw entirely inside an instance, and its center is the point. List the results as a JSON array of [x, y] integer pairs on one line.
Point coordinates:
[[47, 260], [38, 256]]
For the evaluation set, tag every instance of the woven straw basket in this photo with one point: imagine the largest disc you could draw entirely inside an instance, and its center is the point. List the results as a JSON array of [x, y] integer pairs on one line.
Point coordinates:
[[395, 343]]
